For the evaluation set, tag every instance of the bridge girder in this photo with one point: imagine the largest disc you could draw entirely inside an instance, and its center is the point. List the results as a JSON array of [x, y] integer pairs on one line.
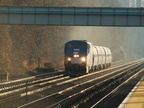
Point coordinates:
[[72, 16]]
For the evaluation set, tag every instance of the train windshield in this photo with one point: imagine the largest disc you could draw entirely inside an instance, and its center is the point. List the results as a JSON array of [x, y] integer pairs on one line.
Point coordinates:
[[76, 47]]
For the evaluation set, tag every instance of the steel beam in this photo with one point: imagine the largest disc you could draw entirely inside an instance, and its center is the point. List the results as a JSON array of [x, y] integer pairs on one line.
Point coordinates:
[[72, 16]]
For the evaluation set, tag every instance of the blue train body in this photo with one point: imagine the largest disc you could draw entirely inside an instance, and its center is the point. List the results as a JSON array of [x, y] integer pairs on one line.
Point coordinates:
[[83, 57]]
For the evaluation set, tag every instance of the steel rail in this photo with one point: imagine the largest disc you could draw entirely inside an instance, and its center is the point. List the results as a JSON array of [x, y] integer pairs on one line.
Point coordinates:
[[70, 88], [87, 89], [105, 97]]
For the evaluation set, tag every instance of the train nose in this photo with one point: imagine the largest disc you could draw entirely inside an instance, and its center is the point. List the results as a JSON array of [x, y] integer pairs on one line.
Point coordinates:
[[77, 60]]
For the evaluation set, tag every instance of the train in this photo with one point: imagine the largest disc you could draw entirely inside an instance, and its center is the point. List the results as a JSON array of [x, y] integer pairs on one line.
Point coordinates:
[[82, 57]]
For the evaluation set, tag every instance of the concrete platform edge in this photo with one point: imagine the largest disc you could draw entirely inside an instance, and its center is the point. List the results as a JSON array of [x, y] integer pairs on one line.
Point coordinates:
[[126, 100]]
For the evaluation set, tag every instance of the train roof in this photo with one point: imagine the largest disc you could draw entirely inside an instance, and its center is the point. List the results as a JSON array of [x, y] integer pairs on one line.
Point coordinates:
[[76, 41], [87, 42]]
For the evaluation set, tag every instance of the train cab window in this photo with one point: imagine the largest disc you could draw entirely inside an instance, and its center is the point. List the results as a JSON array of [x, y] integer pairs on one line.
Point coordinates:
[[81, 46], [76, 46], [69, 45]]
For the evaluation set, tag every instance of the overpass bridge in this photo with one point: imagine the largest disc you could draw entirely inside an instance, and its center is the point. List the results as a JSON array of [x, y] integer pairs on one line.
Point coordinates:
[[72, 16]]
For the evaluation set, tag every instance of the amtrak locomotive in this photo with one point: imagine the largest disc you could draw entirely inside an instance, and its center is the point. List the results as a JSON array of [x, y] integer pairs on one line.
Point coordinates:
[[83, 57]]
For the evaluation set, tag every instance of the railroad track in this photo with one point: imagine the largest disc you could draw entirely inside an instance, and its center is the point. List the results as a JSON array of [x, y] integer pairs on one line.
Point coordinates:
[[111, 95], [17, 88], [16, 84], [52, 86], [69, 92], [10, 85]]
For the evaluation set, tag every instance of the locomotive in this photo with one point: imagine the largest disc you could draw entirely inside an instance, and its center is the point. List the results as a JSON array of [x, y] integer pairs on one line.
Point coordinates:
[[82, 57]]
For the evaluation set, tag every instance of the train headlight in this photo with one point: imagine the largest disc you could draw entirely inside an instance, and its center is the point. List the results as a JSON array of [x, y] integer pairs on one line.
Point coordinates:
[[69, 59], [83, 59], [76, 55]]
